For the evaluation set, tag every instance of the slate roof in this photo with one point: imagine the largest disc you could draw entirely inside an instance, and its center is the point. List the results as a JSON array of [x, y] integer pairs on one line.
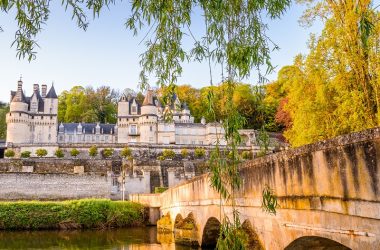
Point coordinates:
[[18, 96], [148, 100], [41, 103], [88, 128], [51, 93]]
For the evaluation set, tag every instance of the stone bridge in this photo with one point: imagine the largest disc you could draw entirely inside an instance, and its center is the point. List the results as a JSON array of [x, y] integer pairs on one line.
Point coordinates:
[[328, 193]]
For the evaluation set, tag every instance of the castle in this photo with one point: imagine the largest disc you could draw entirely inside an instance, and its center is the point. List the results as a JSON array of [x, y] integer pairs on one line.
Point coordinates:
[[34, 121]]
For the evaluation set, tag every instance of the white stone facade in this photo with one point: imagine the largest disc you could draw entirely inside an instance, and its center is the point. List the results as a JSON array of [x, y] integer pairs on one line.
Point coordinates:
[[33, 121]]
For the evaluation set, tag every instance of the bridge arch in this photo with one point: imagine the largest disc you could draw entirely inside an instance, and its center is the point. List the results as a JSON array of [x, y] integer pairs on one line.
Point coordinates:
[[186, 230], [178, 219], [211, 232], [315, 242], [254, 242]]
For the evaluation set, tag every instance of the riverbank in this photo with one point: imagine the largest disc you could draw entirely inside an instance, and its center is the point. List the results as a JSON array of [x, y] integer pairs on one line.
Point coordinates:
[[73, 214]]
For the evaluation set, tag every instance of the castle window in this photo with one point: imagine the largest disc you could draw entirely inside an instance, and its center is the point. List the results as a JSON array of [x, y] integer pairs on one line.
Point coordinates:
[[42, 117], [133, 109], [119, 119], [151, 128], [49, 137], [61, 137], [133, 119], [51, 117], [97, 138], [19, 114], [147, 117], [133, 130]]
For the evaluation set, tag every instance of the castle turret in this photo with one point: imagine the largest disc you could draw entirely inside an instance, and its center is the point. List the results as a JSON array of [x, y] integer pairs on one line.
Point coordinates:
[[18, 102], [18, 129], [51, 102], [148, 107], [123, 106]]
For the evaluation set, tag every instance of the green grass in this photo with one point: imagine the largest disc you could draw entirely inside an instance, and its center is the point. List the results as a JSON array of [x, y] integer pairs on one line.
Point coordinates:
[[86, 213]]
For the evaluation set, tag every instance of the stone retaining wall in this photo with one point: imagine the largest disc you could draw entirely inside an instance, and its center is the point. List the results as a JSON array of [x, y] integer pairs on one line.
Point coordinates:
[[30, 186]]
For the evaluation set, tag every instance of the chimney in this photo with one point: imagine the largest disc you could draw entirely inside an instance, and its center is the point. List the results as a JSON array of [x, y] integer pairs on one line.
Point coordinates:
[[43, 90], [19, 86], [36, 88]]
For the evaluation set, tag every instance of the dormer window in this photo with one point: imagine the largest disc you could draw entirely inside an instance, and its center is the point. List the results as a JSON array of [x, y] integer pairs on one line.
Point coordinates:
[[134, 109]]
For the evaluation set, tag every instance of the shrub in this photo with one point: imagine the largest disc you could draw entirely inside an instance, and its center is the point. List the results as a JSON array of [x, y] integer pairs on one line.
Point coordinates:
[[74, 152], [168, 154], [59, 153], [86, 213], [93, 151], [107, 152], [41, 152], [199, 152], [247, 155], [184, 152], [161, 158], [159, 190], [126, 152], [9, 153], [25, 154]]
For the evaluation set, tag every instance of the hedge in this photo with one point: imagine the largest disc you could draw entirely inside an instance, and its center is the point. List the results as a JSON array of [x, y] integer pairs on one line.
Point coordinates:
[[74, 214]]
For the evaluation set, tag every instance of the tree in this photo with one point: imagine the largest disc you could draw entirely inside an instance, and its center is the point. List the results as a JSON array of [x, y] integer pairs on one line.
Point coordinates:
[[4, 109], [93, 151], [88, 105], [74, 152], [335, 88], [235, 38], [41, 152], [59, 153]]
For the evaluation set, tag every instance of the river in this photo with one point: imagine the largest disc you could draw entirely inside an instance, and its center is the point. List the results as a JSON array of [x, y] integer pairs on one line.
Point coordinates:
[[144, 238]]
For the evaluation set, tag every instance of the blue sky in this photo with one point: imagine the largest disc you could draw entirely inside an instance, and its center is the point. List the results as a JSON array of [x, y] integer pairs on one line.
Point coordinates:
[[108, 54]]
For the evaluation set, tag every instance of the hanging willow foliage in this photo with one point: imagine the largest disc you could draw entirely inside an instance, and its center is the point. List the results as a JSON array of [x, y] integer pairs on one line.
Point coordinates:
[[235, 38]]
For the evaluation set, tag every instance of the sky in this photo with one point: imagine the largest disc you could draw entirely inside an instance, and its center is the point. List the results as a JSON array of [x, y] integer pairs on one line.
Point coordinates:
[[108, 54]]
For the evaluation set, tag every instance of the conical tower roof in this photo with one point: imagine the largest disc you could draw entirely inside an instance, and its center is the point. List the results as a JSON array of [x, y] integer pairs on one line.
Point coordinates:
[[51, 93], [148, 101]]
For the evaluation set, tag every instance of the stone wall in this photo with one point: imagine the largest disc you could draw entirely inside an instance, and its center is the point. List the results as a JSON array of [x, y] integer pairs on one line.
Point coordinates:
[[30, 186], [80, 178]]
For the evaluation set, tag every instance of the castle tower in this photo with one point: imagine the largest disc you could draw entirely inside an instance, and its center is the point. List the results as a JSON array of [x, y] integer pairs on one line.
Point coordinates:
[[51, 102], [32, 120], [18, 127], [148, 119], [123, 107]]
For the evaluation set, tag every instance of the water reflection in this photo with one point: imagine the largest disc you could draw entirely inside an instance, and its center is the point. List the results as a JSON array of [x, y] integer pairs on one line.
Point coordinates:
[[123, 239]]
